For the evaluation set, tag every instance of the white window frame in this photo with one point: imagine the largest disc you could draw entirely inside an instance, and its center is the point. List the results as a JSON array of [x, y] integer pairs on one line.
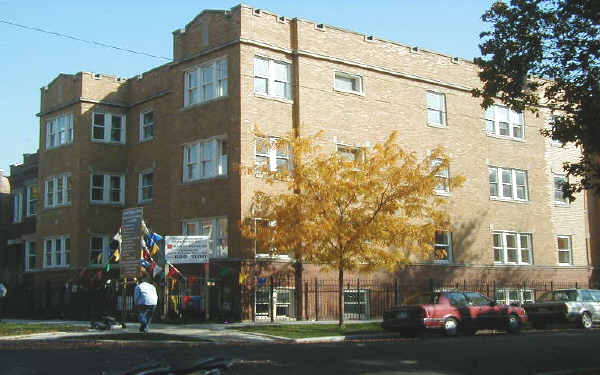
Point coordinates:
[[65, 193], [357, 80], [554, 142], [503, 249], [53, 254], [271, 155], [141, 186], [59, 131], [31, 209], [105, 238], [493, 122], [500, 182], [345, 151], [568, 250], [564, 201], [18, 206], [218, 228], [443, 175], [439, 111], [30, 253], [271, 79], [521, 294], [447, 246], [204, 159], [364, 299], [206, 82], [107, 127], [106, 188], [149, 125]]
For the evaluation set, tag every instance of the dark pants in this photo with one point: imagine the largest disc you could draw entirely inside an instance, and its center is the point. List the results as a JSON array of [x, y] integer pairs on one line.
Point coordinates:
[[145, 312]]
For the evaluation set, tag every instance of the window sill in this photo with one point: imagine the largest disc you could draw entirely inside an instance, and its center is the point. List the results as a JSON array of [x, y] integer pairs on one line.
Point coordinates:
[[201, 180], [59, 146], [100, 203], [508, 138], [109, 142], [55, 268], [359, 93], [560, 204], [55, 207], [272, 257], [565, 264], [277, 99], [443, 193], [438, 126], [147, 140], [509, 200], [147, 201], [512, 264], [196, 105]]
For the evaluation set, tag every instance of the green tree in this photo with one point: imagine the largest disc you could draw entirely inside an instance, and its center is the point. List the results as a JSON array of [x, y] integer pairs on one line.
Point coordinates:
[[546, 53], [375, 209]]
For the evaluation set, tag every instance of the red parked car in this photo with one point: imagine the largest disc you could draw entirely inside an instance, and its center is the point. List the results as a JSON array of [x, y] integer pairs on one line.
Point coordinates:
[[453, 312]]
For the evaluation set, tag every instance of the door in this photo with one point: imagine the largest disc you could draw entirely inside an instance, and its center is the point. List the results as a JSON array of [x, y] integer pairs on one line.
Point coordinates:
[[483, 311]]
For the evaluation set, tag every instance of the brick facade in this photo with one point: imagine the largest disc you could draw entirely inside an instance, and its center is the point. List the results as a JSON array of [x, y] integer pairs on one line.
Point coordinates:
[[395, 81]]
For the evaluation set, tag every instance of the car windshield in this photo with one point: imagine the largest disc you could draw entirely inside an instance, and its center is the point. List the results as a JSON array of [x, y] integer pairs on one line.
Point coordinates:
[[559, 295], [423, 299]]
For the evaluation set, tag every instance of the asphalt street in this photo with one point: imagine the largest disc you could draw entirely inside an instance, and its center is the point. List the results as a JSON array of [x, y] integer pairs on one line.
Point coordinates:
[[528, 353]]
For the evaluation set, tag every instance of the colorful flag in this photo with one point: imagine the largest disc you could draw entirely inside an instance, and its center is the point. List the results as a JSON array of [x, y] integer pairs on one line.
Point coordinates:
[[146, 254], [107, 268], [243, 278], [116, 256], [144, 263], [117, 237], [174, 271], [152, 239], [145, 230], [155, 249]]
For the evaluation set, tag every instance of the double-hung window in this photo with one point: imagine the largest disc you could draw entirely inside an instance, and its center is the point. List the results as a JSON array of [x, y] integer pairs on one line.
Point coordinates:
[[57, 251], [273, 154], [146, 126], [565, 251], [58, 191], [512, 248], [442, 249], [107, 188], [59, 131], [205, 159], [436, 108], [30, 255], [504, 122], [442, 176], [272, 78], [347, 82], [108, 127], [214, 228], [205, 82], [350, 153], [98, 246], [559, 195], [145, 184], [18, 206], [508, 184], [32, 200]]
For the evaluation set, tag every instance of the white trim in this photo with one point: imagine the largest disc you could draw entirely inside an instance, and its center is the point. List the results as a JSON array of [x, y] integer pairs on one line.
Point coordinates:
[[64, 251], [31, 210], [151, 125], [449, 247], [65, 193], [569, 249], [271, 79], [443, 110], [351, 76], [565, 201], [18, 206], [518, 247], [198, 165], [107, 127], [106, 188], [55, 137], [215, 223], [29, 255], [271, 155], [206, 89], [141, 186], [105, 243], [499, 182], [514, 121]]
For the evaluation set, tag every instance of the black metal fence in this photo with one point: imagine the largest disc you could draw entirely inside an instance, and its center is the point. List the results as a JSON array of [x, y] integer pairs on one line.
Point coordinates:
[[276, 299]]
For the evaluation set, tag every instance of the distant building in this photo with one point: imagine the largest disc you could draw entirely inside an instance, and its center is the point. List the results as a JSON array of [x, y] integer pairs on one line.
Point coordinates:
[[169, 140]]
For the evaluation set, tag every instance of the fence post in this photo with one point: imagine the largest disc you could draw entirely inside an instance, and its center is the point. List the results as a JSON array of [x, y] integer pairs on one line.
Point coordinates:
[[358, 295], [252, 298], [271, 302], [576, 285], [494, 290], [306, 317], [316, 299], [395, 292], [487, 288]]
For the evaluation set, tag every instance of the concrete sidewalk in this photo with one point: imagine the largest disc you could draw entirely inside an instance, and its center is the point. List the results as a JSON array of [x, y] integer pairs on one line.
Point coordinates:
[[217, 333]]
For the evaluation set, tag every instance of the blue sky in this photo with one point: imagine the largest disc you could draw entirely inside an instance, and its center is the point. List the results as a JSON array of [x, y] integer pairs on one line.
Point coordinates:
[[31, 59]]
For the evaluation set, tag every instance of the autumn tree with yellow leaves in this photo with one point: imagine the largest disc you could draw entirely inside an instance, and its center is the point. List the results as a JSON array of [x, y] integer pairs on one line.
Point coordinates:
[[375, 208]]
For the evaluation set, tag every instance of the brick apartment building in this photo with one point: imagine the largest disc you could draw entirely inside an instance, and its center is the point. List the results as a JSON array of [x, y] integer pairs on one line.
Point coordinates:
[[169, 140]]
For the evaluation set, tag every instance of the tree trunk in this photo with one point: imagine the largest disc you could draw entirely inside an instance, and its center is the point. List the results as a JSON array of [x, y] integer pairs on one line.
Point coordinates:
[[299, 268], [341, 297]]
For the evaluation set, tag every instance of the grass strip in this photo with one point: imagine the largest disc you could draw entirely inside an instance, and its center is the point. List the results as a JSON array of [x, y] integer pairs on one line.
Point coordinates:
[[150, 336], [300, 331], [16, 329]]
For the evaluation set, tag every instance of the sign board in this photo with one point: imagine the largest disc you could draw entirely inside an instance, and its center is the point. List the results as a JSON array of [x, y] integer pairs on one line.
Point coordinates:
[[187, 249], [130, 245]]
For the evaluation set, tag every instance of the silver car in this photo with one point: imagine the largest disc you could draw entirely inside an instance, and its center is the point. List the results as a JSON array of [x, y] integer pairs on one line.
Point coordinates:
[[578, 306]]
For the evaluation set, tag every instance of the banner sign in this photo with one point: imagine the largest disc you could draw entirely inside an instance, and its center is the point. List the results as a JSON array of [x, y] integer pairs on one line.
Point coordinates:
[[187, 249], [130, 245]]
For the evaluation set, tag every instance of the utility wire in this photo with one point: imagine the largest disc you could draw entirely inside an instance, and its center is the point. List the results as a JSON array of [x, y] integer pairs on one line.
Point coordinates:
[[83, 40]]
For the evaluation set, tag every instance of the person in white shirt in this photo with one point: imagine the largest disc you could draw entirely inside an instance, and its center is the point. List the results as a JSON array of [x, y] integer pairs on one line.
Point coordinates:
[[3, 292], [145, 298]]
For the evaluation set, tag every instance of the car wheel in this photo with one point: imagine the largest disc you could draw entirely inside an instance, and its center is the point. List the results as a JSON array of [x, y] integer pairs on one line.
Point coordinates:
[[586, 320], [513, 324], [451, 327]]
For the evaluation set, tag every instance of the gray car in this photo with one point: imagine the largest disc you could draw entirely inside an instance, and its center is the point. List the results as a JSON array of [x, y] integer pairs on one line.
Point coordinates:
[[575, 306]]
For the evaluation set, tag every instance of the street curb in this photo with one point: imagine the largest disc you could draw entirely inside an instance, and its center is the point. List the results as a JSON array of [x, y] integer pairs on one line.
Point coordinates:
[[326, 338]]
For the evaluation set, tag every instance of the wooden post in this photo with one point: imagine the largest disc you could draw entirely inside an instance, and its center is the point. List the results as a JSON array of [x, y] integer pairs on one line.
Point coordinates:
[[166, 293], [123, 304], [316, 299]]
